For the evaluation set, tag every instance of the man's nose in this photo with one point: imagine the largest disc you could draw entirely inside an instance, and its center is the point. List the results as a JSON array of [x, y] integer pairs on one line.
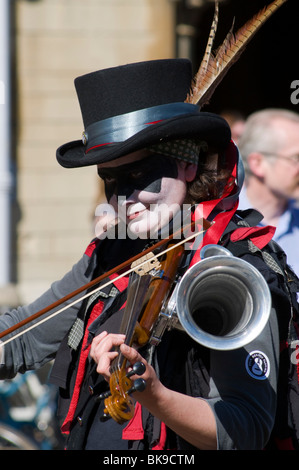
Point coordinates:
[[124, 200], [124, 189]]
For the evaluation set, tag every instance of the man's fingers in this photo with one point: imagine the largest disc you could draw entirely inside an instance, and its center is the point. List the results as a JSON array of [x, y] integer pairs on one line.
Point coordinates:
[[105, 342], [103, 366], [131, 354]]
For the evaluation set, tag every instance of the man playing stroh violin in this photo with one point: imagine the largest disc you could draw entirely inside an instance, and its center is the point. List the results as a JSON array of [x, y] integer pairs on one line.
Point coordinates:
[[124, 385]]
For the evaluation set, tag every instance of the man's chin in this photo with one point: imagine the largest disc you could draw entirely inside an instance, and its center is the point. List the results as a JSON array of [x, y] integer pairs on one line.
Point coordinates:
[[146, 229], [294, 194], [142, 232]]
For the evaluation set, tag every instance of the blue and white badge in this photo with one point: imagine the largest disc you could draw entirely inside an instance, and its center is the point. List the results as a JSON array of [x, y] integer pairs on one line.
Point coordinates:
[[257, 365]]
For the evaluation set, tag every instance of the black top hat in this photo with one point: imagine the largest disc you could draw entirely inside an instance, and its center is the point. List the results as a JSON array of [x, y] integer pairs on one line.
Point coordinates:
[[133, 106]]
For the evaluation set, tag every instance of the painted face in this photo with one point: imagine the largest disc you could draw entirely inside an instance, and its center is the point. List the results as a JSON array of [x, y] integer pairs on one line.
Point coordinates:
[[146, 190], [142, 175]]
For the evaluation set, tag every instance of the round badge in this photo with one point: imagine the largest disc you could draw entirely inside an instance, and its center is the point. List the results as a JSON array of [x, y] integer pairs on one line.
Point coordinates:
[[258, 365]]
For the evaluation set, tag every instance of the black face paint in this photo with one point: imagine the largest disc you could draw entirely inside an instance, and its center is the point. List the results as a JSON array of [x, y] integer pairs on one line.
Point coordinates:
[[142, 175]]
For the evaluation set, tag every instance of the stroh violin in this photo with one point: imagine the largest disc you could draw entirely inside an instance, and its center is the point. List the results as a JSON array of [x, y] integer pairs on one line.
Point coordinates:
[[219, 290]]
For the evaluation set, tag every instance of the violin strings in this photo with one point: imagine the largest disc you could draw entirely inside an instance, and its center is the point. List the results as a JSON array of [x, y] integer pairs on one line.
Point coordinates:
[[139, 287], [116, 364], [88, 294]]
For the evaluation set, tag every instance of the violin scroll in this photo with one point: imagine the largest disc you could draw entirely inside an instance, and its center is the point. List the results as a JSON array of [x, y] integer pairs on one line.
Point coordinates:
[[118, 402]]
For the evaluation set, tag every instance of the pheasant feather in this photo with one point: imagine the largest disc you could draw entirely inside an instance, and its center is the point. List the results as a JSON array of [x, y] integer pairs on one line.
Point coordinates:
[[209, 50], [215, 65]]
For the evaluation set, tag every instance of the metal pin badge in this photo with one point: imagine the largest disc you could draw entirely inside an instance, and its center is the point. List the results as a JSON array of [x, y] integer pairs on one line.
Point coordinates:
[[84, 138]]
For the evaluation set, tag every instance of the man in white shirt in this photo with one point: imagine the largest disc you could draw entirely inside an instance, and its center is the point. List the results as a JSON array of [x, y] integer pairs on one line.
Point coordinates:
[[270, 151]]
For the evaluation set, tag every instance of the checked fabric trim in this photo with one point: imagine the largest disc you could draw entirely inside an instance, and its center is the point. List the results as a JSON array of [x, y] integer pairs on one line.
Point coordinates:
[[269, 260], [77, 331], [183, 149]]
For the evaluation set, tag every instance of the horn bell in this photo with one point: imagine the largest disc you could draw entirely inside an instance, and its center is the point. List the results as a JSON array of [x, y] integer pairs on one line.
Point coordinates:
[[222, 302]]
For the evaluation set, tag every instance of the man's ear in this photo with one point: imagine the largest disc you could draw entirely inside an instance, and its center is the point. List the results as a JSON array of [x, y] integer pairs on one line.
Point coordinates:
[[190, 170], [256, 162]]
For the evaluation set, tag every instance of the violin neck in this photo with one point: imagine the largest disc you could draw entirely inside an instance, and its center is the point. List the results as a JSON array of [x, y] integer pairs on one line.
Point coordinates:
[[137, 292]]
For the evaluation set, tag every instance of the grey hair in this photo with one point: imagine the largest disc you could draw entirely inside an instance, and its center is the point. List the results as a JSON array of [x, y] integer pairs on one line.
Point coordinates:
[[260, 133]]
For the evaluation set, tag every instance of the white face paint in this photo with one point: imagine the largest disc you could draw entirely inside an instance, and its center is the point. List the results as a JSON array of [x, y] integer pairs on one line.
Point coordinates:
[[146, 190]]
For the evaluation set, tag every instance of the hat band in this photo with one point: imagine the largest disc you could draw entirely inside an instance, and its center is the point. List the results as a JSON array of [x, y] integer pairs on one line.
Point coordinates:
[[122, 127]]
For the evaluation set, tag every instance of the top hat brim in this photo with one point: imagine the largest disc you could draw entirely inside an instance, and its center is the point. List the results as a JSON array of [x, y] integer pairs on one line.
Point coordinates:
[[202, 126]]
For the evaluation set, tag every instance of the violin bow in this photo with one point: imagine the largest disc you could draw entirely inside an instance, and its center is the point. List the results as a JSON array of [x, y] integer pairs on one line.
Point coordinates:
[[203, 222]]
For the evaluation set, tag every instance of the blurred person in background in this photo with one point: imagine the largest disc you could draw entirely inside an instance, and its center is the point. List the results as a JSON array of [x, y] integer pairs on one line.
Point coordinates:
[[270, 151], [236, 122]]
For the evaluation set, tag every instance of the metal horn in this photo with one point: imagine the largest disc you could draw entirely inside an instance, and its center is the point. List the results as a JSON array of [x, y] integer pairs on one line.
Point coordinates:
[[222, 302]]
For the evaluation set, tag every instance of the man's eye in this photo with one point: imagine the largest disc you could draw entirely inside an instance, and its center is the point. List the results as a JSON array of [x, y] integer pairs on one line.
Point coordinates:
[[109, 179], [106, 178], [136, 174]]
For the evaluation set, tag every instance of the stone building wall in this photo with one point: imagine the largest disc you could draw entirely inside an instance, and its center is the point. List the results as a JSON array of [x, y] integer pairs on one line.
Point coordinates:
[[58, 40]]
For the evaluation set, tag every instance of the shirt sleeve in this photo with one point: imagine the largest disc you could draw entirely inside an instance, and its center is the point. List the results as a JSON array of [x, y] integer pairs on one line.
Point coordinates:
[[38, 346], [243, 391]]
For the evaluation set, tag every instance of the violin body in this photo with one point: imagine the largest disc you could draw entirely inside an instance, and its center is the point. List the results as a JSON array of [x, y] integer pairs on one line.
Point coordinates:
[[160, 288], [142, 310], [153, 290]]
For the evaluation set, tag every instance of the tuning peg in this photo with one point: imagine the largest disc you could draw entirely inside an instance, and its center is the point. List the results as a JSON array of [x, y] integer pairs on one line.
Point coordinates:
[[138, 386], [104, 418], [138, 368], [102, 396]]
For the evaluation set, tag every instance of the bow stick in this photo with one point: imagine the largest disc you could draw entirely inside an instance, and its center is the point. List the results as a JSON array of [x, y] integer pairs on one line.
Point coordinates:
[[203, 222]]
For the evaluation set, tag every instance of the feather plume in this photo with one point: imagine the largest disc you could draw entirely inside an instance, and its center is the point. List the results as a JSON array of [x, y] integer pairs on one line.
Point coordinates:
[[207, 55], [215, 65]]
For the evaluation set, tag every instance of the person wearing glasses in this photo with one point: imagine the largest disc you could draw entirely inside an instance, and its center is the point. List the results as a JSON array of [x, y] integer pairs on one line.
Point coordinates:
[[270, 151]]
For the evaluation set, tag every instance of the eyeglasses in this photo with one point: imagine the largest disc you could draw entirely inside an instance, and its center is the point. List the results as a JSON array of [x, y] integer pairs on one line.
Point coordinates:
[[292, 158]]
